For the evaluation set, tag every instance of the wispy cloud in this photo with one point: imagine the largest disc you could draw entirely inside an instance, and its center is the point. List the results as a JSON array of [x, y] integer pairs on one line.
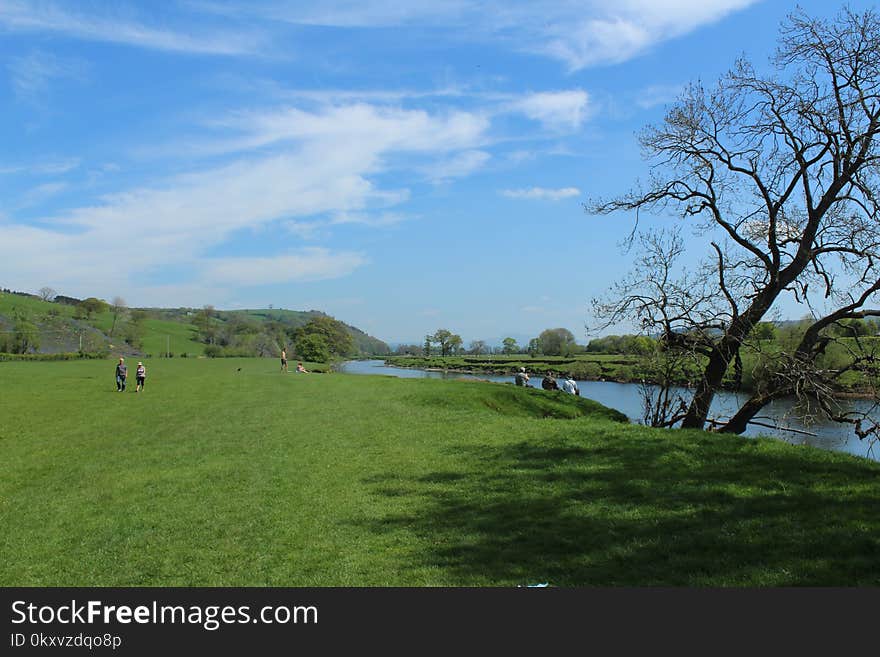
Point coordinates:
[[541, 193], [580, 34], [460, 165], [344, 13], [16, 15], [311, 264], [32, 74], [41, 193], [319, 176], [46, 167], [658, 94], [375, 127]]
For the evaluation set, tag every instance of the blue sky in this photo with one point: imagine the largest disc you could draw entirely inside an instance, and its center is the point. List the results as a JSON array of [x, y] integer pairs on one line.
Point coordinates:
[[404, 166]]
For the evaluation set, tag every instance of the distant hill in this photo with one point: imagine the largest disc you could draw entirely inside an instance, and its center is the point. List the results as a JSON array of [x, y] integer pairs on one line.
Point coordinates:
[[61, 326]]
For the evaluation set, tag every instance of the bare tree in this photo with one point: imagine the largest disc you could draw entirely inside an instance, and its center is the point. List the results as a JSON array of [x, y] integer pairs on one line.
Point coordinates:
[[478, 347], [779, 173], [206, 315], [118, 308], [47, 293]]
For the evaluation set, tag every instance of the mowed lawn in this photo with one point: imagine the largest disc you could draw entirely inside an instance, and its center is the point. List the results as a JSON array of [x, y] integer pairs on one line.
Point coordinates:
[[216, 476]]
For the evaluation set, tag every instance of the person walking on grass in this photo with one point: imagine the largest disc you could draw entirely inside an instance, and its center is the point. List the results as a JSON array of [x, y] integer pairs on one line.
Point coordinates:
[[284, 360], [140, 375], [121, 375]]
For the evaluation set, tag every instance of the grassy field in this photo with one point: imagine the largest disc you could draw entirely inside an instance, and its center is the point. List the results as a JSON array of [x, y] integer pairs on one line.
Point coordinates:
[[220, 476]]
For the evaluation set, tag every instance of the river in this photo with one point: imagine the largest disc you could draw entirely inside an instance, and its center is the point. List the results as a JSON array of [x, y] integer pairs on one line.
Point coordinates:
[[626, 398]]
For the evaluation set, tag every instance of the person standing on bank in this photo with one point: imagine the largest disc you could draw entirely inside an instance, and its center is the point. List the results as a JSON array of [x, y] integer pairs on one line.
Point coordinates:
[[121, 375], [284, 360], [140, 376]]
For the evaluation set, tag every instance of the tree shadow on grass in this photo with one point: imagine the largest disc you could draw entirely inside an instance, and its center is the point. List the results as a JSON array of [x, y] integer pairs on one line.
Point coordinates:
[[629, 511]]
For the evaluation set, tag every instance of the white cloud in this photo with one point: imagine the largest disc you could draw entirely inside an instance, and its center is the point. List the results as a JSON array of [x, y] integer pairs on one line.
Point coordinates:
[[319, 175], [541, 193], [613, 33], [558, 110], [51, 17], [311, 264], [374, 126]]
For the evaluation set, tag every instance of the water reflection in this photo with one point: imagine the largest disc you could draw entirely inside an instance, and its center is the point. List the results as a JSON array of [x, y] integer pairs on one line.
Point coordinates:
[[626, 398]]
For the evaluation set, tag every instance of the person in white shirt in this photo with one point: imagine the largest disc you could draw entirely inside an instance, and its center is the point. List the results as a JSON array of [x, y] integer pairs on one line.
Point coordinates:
[[140, 376], [570, 386]]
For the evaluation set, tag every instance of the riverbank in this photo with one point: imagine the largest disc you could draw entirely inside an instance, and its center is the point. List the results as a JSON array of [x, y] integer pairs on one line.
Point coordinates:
[[628, 398], [229, 473], [616, 369]]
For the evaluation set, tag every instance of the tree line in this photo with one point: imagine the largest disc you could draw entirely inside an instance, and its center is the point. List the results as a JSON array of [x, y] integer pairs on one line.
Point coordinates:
[[443, 342]]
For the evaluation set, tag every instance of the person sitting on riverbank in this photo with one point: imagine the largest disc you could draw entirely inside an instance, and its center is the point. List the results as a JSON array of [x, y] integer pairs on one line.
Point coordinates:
[[521, 378], [549, 383], [301, 369], [570, 386]]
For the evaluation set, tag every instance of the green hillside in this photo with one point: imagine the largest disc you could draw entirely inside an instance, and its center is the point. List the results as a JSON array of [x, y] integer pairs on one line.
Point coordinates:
[[365, 344], [62, 327]]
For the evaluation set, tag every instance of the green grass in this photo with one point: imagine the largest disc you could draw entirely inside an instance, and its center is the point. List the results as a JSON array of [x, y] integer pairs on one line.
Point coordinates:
[[182, 338], [221, 477], [157, 333], [12, 302]]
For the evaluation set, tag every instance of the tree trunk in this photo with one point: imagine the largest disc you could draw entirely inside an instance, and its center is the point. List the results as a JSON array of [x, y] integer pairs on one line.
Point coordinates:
[[740, 420], [698, 410]]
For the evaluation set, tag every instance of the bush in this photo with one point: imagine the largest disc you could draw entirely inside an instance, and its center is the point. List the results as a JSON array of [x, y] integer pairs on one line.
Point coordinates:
[[313, 347], [213, 351]]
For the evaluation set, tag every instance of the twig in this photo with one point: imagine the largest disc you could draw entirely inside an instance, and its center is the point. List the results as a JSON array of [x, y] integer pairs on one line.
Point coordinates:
[[778, 428]]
